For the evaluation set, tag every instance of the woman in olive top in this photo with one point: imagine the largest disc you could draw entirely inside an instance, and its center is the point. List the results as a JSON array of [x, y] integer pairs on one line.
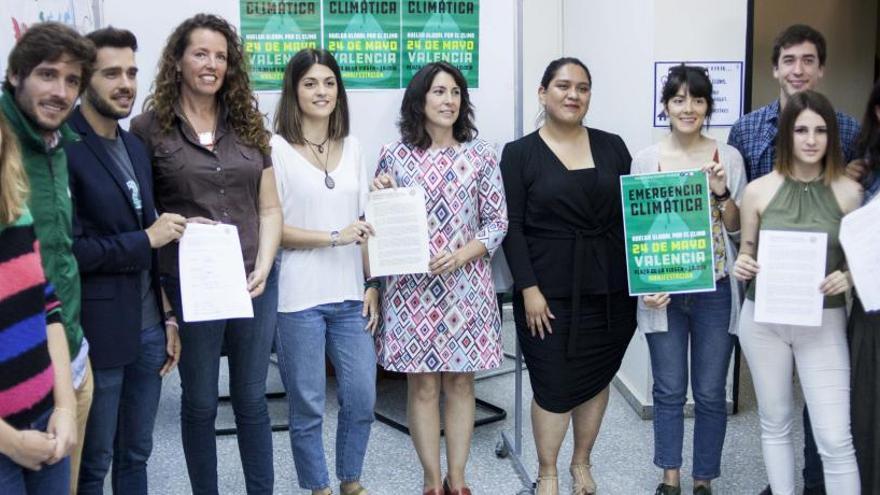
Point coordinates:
[[806, 191]]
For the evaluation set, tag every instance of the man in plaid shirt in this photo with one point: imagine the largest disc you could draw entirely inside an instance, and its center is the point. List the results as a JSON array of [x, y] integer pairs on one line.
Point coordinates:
[[798, 64]]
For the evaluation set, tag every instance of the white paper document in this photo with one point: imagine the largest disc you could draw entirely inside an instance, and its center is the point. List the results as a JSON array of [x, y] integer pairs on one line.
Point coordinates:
[[860, 238], [213, 285], [400, 221], [792, 268]]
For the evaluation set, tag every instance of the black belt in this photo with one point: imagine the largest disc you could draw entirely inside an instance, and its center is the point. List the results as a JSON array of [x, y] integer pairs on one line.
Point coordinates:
[[580, 252]]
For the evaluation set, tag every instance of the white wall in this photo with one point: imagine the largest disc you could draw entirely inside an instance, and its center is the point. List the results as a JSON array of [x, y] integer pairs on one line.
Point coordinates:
[[542, 42]]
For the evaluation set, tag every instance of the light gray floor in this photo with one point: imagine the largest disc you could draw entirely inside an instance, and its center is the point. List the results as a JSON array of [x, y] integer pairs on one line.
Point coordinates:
[[622, 458]]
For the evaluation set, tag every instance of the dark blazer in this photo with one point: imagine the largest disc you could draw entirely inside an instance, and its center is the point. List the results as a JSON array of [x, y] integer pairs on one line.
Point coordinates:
[[110, 244]]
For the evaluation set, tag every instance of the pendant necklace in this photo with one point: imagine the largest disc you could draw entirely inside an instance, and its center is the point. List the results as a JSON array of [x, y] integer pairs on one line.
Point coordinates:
[[320, 145], [206, 139], [328, 181], [807, 183]]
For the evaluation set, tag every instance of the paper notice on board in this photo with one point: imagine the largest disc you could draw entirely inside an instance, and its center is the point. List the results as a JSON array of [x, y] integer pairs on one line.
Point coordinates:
[[860, 236], [213, 285], [400, 221], [792, 268]]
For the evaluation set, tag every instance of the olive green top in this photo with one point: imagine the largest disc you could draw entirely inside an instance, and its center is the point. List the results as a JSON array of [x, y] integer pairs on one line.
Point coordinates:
[[809, 207]]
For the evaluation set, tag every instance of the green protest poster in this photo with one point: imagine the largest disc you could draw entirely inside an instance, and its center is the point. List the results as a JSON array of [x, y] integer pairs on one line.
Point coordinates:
[[668, 232], [364, 36], [272, 32], [435, 30]]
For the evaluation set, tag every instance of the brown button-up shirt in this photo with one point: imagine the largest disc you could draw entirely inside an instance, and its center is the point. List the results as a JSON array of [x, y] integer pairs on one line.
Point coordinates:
[[222, 184]]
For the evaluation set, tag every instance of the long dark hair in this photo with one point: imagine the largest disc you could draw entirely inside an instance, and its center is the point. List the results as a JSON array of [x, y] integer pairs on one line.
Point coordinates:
[[412, 109], [832, 162], [236, 94], [869, 139], [288, 117]]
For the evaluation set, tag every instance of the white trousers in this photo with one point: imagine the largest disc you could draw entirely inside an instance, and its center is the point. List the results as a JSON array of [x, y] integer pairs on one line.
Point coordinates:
[[822, 358]]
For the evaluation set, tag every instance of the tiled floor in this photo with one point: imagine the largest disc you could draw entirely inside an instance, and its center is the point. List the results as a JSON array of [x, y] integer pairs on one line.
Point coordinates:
[[622, 457]]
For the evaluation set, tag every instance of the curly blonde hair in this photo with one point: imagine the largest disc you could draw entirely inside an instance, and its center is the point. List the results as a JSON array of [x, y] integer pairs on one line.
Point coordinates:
[[243, 114]]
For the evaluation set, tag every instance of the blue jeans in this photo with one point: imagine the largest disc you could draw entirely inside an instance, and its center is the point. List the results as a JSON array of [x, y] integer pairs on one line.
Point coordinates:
[[303, 337], [50, 480], [248, 343], [703, 319], [120, 424]]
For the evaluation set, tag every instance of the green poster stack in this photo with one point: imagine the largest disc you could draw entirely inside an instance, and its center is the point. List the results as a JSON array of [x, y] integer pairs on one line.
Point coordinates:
[[272, 32], [450, 34], [668, 232], [364, 37], [378, 44]]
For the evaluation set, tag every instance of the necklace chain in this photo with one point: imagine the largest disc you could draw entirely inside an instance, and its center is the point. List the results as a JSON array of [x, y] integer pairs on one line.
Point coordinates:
[[319, 146], [328, 181]]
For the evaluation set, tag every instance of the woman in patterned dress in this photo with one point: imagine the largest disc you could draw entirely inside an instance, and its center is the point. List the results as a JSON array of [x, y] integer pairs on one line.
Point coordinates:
[[441, 327]]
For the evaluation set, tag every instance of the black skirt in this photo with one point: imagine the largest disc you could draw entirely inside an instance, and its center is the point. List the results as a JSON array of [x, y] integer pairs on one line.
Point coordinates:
[[566, 372], [864, 337]]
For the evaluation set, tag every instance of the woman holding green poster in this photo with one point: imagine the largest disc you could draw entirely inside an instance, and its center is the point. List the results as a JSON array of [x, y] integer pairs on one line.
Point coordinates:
[[702, 322], [806, 191]]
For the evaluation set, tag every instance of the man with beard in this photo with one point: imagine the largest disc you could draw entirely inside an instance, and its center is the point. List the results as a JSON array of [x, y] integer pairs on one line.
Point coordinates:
[[115, 235], [44, 77]]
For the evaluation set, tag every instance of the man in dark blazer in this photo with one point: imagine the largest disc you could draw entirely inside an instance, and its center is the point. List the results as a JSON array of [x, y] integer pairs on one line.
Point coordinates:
[[116, 232]]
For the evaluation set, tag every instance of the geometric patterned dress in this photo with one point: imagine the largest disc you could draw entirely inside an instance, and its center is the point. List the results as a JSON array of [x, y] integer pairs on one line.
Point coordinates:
[[446, 322]]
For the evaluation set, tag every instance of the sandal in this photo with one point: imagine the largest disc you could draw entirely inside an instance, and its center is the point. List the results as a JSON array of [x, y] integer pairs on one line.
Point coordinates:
[[547, 485], [360, 490], [582, 479]]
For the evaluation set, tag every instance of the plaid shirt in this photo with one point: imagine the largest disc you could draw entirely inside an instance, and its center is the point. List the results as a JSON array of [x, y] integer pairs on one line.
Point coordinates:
[[754, 135]]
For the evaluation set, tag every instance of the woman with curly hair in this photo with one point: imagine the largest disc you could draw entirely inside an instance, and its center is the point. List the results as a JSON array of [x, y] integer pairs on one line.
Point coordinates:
[[210, 155]]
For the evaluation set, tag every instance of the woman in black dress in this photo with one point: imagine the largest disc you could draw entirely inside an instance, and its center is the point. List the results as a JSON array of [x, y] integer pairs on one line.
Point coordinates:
[[565, 248], [864, 327]]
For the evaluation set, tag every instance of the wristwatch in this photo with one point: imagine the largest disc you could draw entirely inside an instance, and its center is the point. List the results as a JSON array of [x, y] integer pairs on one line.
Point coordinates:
[[334, 238]]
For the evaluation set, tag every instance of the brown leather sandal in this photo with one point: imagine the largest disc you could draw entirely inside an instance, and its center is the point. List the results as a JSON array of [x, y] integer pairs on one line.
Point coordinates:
[[582, 480], [547, 485]]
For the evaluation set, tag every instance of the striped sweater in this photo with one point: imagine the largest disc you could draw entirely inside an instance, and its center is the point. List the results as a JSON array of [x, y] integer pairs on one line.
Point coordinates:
[[27, 304]]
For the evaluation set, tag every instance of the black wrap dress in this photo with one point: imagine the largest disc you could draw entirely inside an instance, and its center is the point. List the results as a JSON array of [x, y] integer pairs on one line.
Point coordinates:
[[566, 236]]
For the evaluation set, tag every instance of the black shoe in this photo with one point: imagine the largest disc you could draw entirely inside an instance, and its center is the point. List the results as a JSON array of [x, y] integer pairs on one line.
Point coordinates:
[[702, 490], [816, 490], [766, 491], [664, 489]]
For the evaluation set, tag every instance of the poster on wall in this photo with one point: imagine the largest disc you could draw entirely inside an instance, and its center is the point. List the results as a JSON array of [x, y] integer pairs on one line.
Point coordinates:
[[447, 31], [379, 44], [364, 36], [272, 32], [668, 232], [16, 16], [727, 91]]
